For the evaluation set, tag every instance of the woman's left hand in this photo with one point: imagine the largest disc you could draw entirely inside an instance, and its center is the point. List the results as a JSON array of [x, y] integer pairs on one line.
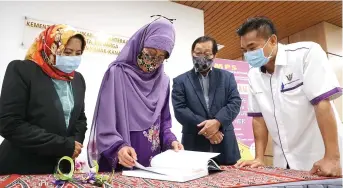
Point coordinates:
[[176, 145]]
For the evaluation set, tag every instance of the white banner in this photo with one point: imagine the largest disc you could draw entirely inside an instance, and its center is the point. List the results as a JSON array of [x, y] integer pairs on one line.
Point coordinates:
[[97, 42]]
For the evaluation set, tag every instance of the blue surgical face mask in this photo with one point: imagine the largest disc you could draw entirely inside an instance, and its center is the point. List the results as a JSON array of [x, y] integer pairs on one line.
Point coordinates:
[[67, 64], [256, 58]]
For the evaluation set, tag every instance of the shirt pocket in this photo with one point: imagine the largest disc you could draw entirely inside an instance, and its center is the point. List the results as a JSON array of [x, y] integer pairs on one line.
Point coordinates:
[[293, 90], [291, 87]]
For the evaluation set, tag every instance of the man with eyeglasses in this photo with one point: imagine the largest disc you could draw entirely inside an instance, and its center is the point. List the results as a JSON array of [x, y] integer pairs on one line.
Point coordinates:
[[206, 101]]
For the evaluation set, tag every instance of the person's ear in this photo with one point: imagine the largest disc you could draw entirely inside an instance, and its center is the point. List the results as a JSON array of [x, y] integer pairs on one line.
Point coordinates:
[[273, 40]]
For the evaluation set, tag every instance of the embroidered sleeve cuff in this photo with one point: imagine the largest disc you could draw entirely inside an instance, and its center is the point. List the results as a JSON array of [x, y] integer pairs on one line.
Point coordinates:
[[112, 153], [169, 143], [115, 160], [255, 114], [332, 94]]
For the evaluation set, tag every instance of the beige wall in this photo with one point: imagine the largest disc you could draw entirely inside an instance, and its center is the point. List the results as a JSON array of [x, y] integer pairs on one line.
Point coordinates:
[[315, 33], [333, 36], [336, 62]]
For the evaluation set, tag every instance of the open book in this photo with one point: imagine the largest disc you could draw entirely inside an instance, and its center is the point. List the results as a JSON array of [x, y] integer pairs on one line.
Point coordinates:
[[178, 166]]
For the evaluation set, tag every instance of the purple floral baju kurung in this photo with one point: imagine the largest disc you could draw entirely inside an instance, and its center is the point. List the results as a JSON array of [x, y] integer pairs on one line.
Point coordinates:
[[147, 144], [133, 106]]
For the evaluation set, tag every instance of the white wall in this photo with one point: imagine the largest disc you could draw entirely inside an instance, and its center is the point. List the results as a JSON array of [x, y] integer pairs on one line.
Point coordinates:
[[118, 18]]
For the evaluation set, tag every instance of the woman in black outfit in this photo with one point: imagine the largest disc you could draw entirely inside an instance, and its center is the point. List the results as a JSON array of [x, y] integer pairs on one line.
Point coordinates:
[[42, 114]]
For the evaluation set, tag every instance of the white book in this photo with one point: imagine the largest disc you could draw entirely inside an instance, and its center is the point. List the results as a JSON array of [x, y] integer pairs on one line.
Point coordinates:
[[178, 166]]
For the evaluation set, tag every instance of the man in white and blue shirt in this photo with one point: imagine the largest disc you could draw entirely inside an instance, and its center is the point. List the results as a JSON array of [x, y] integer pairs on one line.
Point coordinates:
[[291, 93]]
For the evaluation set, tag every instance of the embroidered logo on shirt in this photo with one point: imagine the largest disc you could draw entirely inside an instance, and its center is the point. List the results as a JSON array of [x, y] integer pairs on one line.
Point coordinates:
[[289, 77]]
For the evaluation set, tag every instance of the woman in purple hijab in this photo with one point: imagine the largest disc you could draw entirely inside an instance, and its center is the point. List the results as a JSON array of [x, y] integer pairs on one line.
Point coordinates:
[[132, 120]]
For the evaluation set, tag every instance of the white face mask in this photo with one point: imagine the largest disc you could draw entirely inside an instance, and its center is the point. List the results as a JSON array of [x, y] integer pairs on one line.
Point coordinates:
[[256, 58], [67, 64]]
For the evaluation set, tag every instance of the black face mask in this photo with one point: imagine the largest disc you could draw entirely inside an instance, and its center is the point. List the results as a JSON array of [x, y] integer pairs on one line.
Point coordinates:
[[202, 64]]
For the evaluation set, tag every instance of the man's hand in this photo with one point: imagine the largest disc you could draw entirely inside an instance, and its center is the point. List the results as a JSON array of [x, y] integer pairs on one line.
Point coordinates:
[[251, 163], [217, 138], [77, 149], [127, 156], [327, 167], [330, 164], [210, 127], [176, 145]]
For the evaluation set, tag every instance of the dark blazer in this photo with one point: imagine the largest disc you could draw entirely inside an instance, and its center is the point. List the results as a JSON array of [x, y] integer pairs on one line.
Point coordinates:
[[32, 120], [190, 110]]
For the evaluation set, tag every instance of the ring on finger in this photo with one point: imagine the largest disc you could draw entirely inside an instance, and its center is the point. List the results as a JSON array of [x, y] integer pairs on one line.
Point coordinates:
[[205, 133], [215, 142]]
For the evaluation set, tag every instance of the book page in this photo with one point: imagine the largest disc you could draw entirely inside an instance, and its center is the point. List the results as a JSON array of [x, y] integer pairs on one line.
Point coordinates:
[[138, 165], [213, 165], [150, 169], [182, 159], [167, 171]]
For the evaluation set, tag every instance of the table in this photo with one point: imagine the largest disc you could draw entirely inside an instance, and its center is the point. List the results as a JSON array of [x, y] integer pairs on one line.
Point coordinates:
[[230, 177]]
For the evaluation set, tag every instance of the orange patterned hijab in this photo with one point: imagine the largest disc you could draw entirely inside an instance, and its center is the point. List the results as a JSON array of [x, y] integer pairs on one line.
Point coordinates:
[[51, 42]]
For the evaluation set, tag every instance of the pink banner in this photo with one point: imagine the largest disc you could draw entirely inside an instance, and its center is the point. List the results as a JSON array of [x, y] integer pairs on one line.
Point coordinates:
[[243, 123]]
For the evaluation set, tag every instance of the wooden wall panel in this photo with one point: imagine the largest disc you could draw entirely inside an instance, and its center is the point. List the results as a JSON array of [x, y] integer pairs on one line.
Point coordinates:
[[284, 41], [239, 59], [222, 18]]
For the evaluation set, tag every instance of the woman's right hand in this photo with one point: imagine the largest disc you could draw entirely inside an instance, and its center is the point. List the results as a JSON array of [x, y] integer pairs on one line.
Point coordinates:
[[77, 149], [127, 156]]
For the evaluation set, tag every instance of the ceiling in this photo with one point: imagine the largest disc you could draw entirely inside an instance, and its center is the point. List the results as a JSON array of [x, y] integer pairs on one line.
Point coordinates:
[[222, 18]]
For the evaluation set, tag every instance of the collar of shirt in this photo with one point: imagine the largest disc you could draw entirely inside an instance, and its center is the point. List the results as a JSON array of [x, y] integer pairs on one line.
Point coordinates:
[[280, 59], [201, 74]]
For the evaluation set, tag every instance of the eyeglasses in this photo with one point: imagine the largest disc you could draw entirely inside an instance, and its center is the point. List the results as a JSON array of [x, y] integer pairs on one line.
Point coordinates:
[[200, 54], [159, 16], [152, 58]]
